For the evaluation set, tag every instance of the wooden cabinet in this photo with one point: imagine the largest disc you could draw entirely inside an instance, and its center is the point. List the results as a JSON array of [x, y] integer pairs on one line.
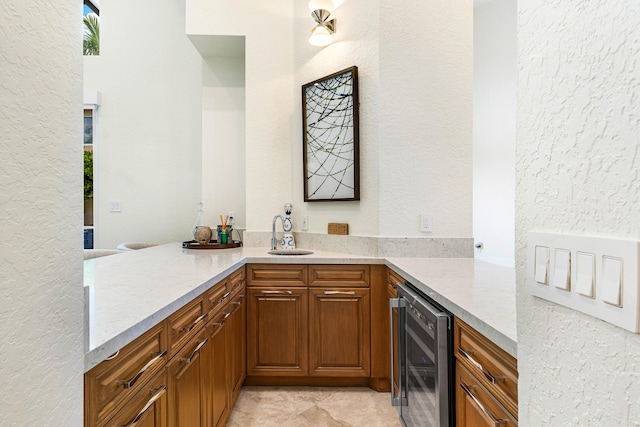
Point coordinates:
[[277, 331], [486, 380], [113, 382], [339, 333], [308, 321], [237, 324], [187, 372], [146, 408]]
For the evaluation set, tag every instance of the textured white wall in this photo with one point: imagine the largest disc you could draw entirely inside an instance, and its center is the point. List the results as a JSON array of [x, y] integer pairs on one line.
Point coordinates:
[[223, 139], [269, 93], [426, 86], [578, 136], [149, 143], [41, 310], [494, 129]]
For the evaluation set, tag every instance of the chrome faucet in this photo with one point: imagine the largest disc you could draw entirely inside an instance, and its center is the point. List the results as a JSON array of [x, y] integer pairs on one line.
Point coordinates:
[[274, 241]]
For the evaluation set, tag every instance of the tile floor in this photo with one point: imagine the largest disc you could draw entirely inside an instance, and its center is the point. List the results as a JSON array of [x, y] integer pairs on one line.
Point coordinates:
[[313, 407]]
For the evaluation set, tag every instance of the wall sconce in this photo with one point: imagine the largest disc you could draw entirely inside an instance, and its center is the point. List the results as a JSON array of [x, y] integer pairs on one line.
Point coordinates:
[[320, 12]]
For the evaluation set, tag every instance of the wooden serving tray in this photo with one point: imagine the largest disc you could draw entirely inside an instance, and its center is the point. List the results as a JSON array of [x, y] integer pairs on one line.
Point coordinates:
[[213, 244]]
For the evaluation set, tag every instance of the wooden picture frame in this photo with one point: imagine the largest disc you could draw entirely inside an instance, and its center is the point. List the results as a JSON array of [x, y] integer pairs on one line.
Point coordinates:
[[330, 127]]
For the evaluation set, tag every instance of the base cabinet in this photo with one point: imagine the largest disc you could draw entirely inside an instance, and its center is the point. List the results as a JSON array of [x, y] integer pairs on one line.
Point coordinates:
[[217, 394], [147, 408], [339, 333], [277, 334], [188, 370]]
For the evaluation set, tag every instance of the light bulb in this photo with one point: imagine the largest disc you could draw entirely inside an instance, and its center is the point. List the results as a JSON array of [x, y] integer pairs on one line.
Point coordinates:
[[321, 4], [320, 36]]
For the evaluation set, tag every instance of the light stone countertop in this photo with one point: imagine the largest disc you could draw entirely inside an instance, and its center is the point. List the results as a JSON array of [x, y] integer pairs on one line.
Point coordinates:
[[481, 294], [128, 293]]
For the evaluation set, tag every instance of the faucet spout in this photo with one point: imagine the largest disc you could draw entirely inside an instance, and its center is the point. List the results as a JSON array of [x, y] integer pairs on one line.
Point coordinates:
[[274, 241]]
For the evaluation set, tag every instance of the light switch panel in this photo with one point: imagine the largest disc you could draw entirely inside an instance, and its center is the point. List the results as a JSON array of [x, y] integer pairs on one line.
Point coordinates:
[[585, 273], [596, 275], [542, 264], [562, 269], [612, 280]]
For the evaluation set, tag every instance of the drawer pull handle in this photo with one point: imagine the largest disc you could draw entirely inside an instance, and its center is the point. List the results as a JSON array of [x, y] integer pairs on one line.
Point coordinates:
[[113, 356], [224, 297], [221, 322], [159, 392], [339, 292], [492, 378], [195, 350], [277, 292], [467, 389], [131, 382], [193, 325]]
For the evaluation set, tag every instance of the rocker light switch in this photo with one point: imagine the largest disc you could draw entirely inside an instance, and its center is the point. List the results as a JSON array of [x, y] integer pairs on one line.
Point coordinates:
[[612, 280], [585, 273], [562, 269], [542, 265]]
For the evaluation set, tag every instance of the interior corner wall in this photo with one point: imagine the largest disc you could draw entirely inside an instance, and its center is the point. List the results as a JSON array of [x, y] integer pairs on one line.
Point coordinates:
[[223, 139], [148, 143], [267, 27], [41, 319], [578, 137], [494, 129]]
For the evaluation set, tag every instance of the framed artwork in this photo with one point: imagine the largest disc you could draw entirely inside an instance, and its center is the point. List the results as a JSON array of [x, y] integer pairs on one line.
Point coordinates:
[[330, 137]]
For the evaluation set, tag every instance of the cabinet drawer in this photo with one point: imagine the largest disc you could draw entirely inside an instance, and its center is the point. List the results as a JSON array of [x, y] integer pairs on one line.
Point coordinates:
[[492, 366], [148, 406], [475, 405], [237, 279], [393, 279], [276, 275], [217, 296], [185, 323], [339, 275], [112, 382]]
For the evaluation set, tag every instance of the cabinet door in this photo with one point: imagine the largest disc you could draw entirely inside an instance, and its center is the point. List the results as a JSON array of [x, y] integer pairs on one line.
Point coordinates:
[[277, 336], [186, 386], [339, 337], [475, 406], [237, 325], [217, 397], [146, 408]]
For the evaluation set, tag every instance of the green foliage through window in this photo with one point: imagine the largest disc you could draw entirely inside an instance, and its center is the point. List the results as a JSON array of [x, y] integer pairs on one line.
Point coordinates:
[[91, 36], [88, 175]]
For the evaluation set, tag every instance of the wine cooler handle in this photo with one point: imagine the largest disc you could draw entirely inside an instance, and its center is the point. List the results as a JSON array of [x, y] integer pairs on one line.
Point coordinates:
[[398, 303]]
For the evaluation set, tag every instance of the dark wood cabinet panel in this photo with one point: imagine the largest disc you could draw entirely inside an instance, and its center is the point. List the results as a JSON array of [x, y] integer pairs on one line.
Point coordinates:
[[237, 324], [339, 339], [277, 275], [339, 275]]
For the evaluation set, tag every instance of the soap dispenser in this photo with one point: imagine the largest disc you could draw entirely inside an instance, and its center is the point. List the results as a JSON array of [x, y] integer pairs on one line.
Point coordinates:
[[288, 241]]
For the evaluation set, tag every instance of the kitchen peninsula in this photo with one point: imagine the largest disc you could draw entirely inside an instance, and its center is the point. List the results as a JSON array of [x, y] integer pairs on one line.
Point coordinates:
[[129, 295]]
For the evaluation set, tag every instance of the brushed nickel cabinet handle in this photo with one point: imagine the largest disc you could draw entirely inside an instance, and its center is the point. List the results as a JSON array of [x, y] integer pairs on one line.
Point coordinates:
[[193, 325], [224, 297], [339, 292], [467, 389], [113, 356], [277, 292], [159, 392], [467, 354], [195, 350], [221, 322], [132, 381]]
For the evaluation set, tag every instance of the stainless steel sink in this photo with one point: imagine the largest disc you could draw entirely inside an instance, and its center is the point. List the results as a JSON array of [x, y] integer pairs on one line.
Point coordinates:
[[290, 252]]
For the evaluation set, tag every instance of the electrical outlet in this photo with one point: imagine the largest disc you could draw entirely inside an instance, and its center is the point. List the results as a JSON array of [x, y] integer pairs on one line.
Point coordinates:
[[305, 223], [232, 218], [426, 222]]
